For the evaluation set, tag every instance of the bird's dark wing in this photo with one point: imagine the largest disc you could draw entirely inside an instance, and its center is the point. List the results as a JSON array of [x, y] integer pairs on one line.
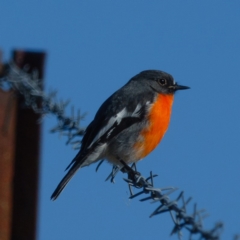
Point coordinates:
[[122, 109], [119, 111], [106, 126]]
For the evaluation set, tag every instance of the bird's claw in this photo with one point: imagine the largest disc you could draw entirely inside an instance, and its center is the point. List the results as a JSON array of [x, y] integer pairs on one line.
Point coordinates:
[[133, 174]]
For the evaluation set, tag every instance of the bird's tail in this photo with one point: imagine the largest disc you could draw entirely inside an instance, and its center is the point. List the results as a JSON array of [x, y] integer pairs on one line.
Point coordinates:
[[75, 166]]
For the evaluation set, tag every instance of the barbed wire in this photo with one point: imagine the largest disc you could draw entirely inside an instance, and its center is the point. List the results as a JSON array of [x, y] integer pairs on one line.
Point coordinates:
[[193, 222], [28, 86]]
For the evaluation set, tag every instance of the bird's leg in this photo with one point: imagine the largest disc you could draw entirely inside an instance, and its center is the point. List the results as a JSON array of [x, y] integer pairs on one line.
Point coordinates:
[[133, 175], [126, 168], [115, 170]]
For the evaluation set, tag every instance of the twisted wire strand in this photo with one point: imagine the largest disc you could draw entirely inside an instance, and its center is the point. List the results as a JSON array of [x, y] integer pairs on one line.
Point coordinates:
[[193, 223], [28, 86]]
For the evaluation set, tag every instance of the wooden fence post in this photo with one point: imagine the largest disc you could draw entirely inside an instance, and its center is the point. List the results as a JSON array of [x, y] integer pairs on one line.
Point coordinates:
[[19, 158]]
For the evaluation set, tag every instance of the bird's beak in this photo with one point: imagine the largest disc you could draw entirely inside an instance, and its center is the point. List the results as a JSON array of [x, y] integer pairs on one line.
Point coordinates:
[[179, 87]]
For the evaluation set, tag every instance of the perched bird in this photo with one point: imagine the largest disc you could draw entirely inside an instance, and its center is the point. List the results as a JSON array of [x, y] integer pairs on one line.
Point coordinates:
[[128, 125]]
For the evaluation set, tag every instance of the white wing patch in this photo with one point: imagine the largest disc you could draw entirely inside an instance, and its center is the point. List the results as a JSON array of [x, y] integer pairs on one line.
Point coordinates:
[[136, 111], [95, 155], [116, 118]]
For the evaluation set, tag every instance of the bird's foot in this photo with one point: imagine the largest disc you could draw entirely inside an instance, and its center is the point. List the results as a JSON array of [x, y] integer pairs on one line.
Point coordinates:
[[112, 175], [133, 175]]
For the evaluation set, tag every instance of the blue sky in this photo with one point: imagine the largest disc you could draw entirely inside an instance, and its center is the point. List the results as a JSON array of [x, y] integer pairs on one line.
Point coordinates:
[[93, 48]]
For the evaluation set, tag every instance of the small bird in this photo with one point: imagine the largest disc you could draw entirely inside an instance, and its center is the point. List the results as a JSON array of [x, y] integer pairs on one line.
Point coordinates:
[[128, 125]]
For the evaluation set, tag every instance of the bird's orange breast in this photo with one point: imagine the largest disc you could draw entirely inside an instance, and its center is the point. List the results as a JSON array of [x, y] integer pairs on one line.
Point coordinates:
[[158, 121]]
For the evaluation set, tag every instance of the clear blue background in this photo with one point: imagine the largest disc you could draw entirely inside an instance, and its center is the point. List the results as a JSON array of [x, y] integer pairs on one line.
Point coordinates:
[[93, 48]]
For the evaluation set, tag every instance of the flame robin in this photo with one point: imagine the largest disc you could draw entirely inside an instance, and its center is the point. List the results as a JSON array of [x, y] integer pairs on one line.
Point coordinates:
[[128, 125]]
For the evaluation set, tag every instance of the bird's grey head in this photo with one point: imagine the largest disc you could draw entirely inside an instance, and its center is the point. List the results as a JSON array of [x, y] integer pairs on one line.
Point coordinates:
[[159, 81]]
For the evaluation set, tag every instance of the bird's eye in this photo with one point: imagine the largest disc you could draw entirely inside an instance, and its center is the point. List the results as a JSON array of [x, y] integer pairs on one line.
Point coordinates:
[[162, 81]]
